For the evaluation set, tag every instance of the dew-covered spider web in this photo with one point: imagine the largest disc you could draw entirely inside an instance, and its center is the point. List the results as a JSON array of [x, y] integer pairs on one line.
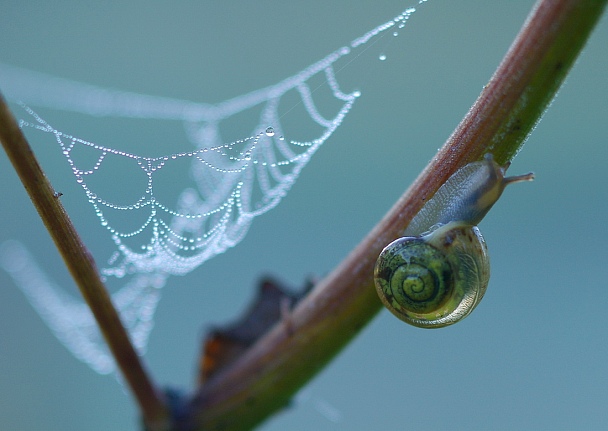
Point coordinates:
[[230, 184]]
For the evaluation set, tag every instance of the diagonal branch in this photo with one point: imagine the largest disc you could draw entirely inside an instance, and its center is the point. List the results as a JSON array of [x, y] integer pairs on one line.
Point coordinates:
[[83, 269], [268, 375]]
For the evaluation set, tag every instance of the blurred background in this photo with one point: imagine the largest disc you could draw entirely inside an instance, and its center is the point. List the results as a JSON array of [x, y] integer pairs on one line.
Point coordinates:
[[532, 356]]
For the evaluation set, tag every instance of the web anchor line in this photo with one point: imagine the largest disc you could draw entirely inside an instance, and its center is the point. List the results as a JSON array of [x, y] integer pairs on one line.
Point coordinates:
[[232, 184]]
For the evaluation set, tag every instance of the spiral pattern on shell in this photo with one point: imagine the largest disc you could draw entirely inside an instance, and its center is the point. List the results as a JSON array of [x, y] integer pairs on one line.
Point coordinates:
[[434, 280]]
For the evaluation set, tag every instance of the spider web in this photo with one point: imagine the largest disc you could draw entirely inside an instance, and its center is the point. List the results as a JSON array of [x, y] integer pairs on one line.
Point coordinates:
[[232, 184]]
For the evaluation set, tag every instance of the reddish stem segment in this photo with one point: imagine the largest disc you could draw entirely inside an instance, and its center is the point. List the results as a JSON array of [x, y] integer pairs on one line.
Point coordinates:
[[267, 376]]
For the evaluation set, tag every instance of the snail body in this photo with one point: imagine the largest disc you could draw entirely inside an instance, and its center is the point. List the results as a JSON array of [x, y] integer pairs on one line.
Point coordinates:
[[438, 273]]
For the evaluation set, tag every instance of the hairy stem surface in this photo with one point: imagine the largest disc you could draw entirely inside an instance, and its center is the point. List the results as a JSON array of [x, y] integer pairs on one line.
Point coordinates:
[[267, 376]]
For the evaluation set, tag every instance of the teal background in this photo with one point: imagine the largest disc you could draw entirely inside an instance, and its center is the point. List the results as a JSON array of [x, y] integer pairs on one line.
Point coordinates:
[[533, 355]]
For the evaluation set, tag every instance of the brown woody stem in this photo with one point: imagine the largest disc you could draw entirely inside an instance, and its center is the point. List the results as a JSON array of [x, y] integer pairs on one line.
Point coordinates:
[[83, 269]]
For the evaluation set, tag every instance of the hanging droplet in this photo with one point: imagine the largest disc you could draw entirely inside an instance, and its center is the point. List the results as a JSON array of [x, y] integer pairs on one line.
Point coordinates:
[[382, 57], [395, 33], [281, 138], [269, 131]]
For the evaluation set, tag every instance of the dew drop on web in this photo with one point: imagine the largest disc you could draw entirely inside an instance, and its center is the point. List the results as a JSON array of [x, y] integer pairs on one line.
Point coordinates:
[[269, 131]]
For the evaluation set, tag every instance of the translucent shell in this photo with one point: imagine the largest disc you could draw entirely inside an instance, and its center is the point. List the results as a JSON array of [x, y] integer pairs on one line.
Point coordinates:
[[437, 274], [434, 280]]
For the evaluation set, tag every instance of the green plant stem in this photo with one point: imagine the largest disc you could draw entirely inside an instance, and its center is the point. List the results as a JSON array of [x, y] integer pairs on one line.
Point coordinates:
[[267, 376], [83, 269]]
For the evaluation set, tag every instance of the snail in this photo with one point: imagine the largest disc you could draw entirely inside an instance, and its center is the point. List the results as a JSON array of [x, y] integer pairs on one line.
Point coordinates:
[[438, 272]]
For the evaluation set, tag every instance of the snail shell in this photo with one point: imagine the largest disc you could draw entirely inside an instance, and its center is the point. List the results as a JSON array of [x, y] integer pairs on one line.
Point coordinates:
[[434, 280], [437, 274]]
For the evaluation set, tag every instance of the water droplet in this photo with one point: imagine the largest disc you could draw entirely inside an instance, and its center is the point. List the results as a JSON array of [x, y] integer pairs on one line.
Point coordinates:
[[269, 131], [281, 138], [395, 33], [382, 57]]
